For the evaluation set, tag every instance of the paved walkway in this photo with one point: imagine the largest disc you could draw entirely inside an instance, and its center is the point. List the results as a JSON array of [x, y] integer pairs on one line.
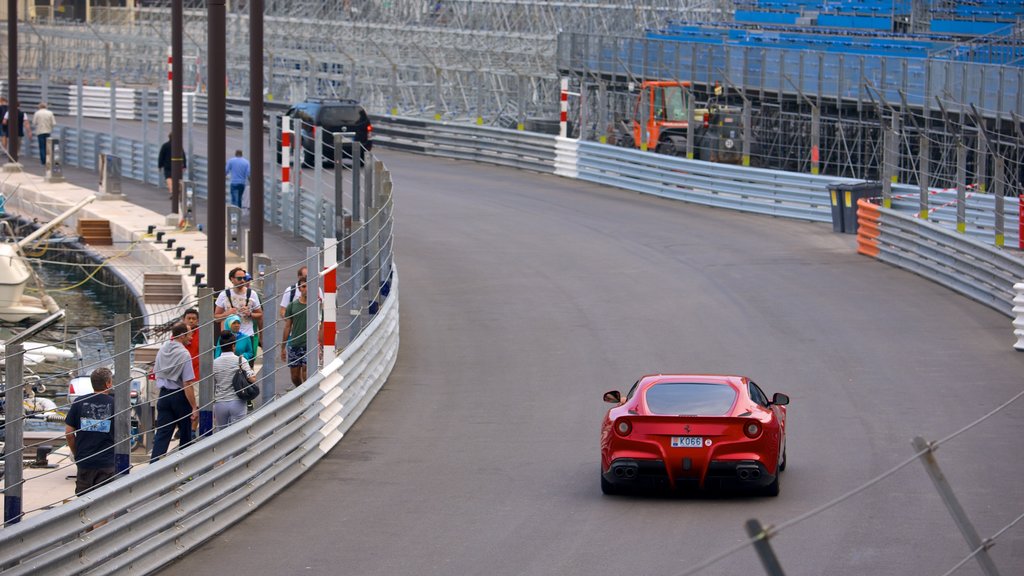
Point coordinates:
[[146, 205]]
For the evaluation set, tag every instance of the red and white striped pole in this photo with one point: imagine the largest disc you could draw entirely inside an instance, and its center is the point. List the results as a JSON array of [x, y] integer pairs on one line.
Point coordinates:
[[286, 155], [330, 303], [563, 120], [170, 70]]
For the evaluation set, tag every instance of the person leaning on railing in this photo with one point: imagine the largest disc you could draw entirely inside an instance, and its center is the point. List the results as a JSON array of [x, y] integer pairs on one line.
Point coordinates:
[[89, 431]]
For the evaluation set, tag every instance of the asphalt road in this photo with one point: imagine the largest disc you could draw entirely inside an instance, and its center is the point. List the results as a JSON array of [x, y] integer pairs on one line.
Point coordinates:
[[525, 297]]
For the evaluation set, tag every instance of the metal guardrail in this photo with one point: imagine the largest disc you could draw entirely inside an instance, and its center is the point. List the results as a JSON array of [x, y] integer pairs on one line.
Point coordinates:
[[980, 272], [498, 146], [174, 505], [756, 190], [980, 212], [206, 487]]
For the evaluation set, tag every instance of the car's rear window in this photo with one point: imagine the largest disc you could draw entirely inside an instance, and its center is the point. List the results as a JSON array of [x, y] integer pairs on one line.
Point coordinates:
[[691, 398], [340, 116]]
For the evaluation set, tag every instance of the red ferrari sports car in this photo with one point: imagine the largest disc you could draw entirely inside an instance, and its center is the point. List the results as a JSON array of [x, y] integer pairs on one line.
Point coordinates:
[[685, 431]]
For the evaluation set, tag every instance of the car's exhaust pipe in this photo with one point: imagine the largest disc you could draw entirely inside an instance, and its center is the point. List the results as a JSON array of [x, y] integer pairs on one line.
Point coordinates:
[[625, 472], [748, 472]]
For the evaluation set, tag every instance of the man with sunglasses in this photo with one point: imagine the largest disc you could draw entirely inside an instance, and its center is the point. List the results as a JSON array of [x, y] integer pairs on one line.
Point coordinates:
[[242, 300]]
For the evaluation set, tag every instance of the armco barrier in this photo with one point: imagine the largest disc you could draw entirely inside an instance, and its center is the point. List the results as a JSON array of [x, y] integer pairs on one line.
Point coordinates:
[[756, 190], [498, 146], [162, 512], [962, 264]]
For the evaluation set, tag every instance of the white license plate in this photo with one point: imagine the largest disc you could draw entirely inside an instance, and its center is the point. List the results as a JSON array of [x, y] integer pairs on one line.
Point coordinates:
[[687, 441]]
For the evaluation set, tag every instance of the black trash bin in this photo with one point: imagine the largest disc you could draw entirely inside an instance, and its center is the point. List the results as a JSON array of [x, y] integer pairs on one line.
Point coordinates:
[[851, 194], [835, 191]]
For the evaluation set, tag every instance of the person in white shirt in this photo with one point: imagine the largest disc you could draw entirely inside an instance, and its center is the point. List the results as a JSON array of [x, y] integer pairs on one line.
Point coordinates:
[[242, 300], [43, 122]]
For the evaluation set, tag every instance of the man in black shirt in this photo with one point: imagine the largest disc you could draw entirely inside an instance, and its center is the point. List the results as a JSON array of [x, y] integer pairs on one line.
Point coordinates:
[[89, 431]]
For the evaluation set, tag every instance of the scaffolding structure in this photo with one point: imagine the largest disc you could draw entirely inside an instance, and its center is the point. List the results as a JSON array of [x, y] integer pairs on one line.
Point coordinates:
[[455, 59], [500, 62]]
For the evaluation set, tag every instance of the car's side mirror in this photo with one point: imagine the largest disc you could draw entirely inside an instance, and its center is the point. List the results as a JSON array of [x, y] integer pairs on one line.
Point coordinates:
[[780, 399], [613, 397]]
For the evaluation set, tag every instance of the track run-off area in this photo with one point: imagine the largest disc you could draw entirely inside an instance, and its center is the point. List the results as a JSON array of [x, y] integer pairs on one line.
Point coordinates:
[[525, 297]]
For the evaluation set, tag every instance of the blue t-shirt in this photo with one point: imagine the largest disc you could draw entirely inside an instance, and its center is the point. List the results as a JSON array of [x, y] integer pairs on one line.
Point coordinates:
[[238, 169], [92, 417]]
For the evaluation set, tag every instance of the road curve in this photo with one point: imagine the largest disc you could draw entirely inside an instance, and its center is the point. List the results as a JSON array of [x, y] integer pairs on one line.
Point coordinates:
[[524, 297]]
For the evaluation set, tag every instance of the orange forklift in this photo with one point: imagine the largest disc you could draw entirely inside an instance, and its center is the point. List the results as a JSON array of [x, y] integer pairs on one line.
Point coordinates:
[[661, 118]]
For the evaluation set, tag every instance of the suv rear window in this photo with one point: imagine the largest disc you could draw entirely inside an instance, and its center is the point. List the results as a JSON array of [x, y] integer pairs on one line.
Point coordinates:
[[339, 115], [690, 398]]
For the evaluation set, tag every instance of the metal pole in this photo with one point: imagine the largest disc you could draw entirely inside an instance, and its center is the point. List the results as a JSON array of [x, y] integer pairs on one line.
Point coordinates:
[[217, 91], [961, 187], [763, 548], [356, 259], [113, 116], [815, 140], [997, 191], [78, 118], [13, 139], [923, 174], [688, 103], [747, 129], [887, 168], [14, 444], [313, 283], [256, 159], [177, 89], [145, 132], [266, 275], [122, 391], [978, 547], [207, 337]]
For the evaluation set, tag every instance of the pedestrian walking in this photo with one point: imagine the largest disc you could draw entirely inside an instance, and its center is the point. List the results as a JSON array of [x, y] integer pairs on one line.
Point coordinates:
[[3, 125], [228, 408], [293, 341], [164, 163], [237, 170], [176, 406], [23, 124], [89, 431], [43, 122], [242, 344], [292, 292], [191, 321], [240, 300]]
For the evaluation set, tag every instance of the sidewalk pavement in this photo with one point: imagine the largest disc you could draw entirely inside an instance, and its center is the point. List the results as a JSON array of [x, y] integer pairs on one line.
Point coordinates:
[[45, 488]]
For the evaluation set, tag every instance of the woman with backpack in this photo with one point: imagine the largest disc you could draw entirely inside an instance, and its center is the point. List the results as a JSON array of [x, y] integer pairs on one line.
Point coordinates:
[[228, 408]]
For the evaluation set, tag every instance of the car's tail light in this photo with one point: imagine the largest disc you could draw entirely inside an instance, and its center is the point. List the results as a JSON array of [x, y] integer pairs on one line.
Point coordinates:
[[752, 429], [623, 427]]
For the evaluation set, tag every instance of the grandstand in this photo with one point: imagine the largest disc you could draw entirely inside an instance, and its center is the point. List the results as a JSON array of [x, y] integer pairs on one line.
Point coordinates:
[[958, 18]]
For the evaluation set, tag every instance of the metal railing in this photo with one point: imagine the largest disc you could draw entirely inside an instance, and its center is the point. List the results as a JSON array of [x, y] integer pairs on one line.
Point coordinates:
[[221, 478], [980, 272], [202, 490]]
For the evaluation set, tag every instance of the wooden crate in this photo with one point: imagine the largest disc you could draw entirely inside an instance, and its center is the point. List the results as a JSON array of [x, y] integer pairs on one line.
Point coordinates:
[[95, 231], [161, 289]]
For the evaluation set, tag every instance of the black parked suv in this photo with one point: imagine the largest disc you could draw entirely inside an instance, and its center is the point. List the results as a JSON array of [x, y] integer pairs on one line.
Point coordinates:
[[330, 116]]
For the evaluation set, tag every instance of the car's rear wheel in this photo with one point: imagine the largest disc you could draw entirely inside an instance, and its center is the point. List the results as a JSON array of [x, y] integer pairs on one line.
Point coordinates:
[[773, 488], [608, 488]]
